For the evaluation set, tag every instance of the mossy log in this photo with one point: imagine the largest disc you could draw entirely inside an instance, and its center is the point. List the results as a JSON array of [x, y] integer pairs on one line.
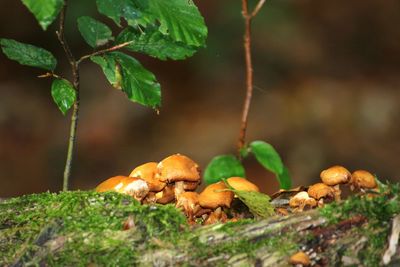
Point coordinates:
[[86, 228]]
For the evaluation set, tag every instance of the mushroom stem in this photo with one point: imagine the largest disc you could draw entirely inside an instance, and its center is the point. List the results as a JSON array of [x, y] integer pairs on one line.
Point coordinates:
[[179, 189], [337, 192]]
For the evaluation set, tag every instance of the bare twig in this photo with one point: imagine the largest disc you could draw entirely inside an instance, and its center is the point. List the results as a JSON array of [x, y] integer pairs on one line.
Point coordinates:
[[257, 8], [49, 75], [75, 112], [249, 70], [101, 52]]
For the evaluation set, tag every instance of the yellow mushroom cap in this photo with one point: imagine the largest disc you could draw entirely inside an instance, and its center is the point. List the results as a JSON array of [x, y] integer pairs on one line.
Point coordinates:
[[363, 179], [132, 186], [335, 175], [300, 258], [178, 168], [320, 190], [212, 197], [110, 184], [242, 184], [148, 172], [302, 199]]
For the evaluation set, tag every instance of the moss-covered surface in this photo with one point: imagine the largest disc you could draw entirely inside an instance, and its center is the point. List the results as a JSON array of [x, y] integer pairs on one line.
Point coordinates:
[[378, 209], [82, 228]]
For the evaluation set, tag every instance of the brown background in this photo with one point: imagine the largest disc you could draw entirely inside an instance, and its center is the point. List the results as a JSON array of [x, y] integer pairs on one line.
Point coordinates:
[[326, 92]]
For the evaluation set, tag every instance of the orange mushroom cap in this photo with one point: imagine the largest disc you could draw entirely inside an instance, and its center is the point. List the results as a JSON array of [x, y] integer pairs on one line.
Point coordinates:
[[363, 179], [178, 168], [242, 184], [134, 187], [148, 172], [212, 197], [335, 175], [320, 190]]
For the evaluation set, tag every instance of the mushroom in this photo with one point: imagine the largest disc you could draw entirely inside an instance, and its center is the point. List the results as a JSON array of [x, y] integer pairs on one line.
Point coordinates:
[[300, 258], [189, 203], [135, 187], [362, 179], [180, 170], [334, 176], [215, 197], [242, 184], [167, 195], [321, 191], [301, 200], [148, 172]]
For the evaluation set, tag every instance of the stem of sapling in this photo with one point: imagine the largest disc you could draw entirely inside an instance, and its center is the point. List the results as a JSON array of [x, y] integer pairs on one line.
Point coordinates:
[[248, 16], [76, 83]]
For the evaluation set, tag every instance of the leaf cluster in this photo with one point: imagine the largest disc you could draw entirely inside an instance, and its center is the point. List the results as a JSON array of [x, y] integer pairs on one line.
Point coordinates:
[[172, 29], [225, 166]]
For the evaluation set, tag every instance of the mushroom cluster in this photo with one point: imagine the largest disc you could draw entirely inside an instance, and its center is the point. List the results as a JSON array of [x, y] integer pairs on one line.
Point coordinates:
[[174, 180], [328, 190]]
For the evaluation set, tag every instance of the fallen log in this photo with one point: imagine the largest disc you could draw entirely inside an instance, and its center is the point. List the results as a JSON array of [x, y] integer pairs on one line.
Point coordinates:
[[87, 228]]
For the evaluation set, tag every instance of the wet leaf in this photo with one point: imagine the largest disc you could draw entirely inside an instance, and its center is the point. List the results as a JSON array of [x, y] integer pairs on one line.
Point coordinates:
[[45, 11], [64, 94], [94, 32], [223, 166]]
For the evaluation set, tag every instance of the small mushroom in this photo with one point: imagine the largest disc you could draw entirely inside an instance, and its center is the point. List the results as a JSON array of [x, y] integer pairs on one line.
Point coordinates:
[[215, 197], [179, 169], [189, 203], [362, 180], [148, 172], [302, 200], [334, 176], [321, 192], [135, 187], [242, 184], [300, 258]]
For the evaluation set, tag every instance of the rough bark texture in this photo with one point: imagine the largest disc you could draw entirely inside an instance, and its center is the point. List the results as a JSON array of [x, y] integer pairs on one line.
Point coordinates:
[[268, 242]]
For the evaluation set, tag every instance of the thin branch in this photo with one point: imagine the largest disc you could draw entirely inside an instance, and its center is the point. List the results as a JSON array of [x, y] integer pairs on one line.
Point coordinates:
[[49, 75], [257, 8], [101, 52], [61, 35], [249, 76], [75, 112]]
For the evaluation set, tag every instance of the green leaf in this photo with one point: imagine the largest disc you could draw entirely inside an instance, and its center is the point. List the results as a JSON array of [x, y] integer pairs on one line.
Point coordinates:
[[29, 55], [267, 156], [221, 167], [94, 32], [258, 203], [131, 10], [139, 84], [285, 182], [111, 69], [64, 94], [155, 44], [45, 11], [180, 19]]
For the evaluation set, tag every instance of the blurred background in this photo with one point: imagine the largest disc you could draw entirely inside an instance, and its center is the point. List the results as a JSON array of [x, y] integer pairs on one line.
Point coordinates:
[[327, 80]]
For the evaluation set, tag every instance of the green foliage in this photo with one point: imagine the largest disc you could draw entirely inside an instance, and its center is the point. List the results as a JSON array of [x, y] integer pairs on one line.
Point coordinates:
[[64, 94], [258, 203], [29, 55], [110, 68], [153, 43], [284, 179], [180, 19], [267, 156], [226, 166], [94, 32], [130, 10], [221, 167], [45, 11], [139, 84]]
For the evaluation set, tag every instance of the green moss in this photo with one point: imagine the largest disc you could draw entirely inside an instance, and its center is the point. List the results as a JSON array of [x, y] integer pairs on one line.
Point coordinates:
[[378, 210], [89, 224]]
